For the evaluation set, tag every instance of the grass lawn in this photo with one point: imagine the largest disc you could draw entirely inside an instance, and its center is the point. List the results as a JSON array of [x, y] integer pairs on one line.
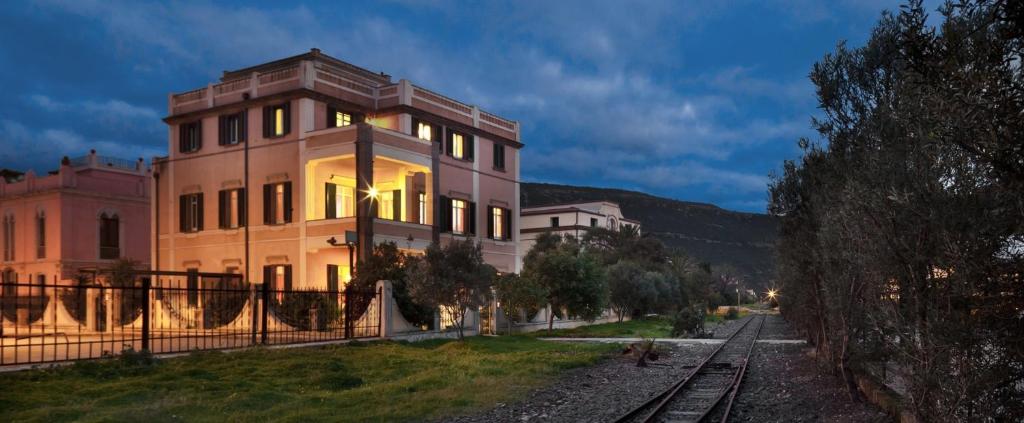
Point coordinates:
[[651, 327], [378, 381]]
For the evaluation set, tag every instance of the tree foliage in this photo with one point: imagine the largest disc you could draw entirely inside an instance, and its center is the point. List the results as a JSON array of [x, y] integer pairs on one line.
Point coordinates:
[[518, 296], [901, 237], [389, 263], [453, 277], [572, 277]]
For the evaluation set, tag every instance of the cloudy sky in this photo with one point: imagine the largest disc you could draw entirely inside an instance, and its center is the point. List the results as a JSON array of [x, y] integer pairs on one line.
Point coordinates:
[[695, 100]]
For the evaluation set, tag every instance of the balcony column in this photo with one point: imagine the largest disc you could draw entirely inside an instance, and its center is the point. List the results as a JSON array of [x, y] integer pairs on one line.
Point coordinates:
[[366, 208]]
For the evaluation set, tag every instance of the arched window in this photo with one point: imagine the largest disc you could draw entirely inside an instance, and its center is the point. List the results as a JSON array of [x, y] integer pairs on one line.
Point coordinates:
[[613, 224], [8, 233], [110, 237], [41, 235]]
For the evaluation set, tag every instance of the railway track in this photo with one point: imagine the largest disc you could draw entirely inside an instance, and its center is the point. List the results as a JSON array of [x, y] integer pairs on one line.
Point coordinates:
[[699, 395]]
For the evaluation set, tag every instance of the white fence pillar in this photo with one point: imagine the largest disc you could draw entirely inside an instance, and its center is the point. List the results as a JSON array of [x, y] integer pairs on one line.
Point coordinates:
[[387, 307]]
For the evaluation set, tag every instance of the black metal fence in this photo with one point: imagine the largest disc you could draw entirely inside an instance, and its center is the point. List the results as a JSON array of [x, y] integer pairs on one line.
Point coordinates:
[[105, 314]]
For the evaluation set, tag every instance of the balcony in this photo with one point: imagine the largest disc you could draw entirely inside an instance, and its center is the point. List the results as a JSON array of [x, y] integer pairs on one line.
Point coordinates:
[[332, 79], [401, 190]]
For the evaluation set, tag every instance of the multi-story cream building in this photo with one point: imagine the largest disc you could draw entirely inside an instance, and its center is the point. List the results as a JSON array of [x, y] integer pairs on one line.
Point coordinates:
[[570, 219], [270, 168]]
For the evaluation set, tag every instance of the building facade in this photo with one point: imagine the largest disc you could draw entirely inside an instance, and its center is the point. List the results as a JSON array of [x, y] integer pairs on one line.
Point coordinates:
[[275, 166], [89, 213], [570, 219]]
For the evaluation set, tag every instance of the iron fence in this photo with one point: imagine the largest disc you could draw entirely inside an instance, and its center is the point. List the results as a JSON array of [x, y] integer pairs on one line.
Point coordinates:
[[105, 314]]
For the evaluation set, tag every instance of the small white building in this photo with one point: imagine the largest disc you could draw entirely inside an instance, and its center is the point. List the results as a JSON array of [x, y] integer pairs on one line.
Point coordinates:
[[571, 219]]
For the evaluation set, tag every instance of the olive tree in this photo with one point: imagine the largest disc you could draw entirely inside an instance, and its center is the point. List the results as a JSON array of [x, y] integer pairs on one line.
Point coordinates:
[[518, 295], [452, 277]]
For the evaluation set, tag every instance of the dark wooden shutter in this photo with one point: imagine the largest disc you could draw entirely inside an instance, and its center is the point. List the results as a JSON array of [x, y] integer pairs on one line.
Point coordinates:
[[332, 277], [445, 214], [268, 276], [243, 218], [436, 132], [490, 222], [182, 129], [287, 118], [330, 192], [268, 121], [287, 202], [499, 156], [222, 130], [243, 123], [223, 214], [288, 277], [508, 224], [468, 148], [332, 116], [396, 205], [415, 128], [199, 214], [199, 135], [449, 142], [268, 204], [471, 211], [182, 206]]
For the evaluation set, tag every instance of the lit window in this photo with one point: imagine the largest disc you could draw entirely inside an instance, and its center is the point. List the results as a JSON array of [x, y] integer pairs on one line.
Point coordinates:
[[279, 203], [497, 219], [424, 131], [458, 216], [345, 202], [279, 122], [423, 209], [458, 145], [342, 119], [386, 208]]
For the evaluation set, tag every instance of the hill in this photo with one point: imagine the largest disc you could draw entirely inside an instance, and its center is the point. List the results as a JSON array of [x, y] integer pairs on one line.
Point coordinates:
[[707, 232]]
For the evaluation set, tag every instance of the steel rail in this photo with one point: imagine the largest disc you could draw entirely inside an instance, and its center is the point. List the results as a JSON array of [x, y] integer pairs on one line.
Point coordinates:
[[669, 393], [742, 372]]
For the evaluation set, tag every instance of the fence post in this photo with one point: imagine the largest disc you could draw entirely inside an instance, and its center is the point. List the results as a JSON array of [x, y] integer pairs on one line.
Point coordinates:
[[348, 313], [263, 311], [254, 310], [146, 285]]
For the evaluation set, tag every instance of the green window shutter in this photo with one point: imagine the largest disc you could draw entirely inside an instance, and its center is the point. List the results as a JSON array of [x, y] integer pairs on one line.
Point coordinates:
[[470, 147], [445, 214], [223, 214], [490, 222], [268, 121], [449, 143], [222, 130], [287, 118], [243, 217], [268, 204], [331, 203], [288, 277], [508, 224], [396, 204], [332, 119], [332, 277], [288, 202], [199, 217], [471, 211]]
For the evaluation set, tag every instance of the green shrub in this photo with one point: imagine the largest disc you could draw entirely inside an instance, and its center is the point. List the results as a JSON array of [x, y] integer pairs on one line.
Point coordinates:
[[732, 314]]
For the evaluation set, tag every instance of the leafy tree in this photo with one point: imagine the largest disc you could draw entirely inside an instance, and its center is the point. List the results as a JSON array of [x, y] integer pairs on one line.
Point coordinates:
[[453, 277], [389, 263], [628, 290], [518, 296], [901, 237], [572, 277]]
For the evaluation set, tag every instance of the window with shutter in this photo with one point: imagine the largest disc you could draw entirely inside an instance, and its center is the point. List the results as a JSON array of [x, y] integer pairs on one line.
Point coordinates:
[[190, 137], [230, 204], [190, 212], [499, 156], [232, 128], [332, 277], [277, 203], [276, 120]]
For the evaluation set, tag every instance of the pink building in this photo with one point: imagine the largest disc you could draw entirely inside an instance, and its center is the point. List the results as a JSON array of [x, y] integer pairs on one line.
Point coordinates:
[[90, 212], [270, 164]]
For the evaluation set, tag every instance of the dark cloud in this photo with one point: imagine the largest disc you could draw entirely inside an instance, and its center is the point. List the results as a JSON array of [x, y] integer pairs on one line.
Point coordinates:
[[696, 100]]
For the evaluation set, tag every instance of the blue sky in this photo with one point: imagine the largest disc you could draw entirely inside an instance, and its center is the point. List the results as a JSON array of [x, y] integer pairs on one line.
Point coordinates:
[[691, 100]]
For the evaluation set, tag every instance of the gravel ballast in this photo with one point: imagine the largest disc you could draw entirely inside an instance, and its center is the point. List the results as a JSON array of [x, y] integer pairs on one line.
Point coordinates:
[[783, 384], [601, 392]]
